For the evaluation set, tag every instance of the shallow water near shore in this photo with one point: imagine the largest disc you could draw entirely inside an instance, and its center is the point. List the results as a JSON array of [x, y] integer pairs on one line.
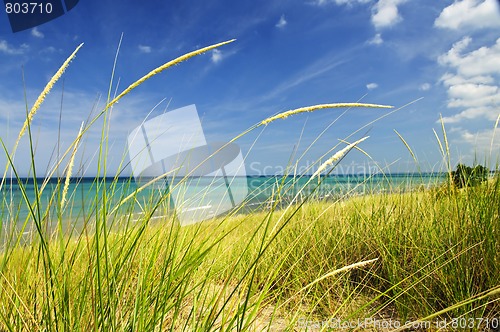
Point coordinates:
[[85, 194]]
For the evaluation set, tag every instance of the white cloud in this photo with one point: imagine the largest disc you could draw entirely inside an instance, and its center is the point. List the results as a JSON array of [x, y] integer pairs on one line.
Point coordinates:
[[371, 86], [471, 91], [483, 61], [145, 49], [282, 22], [376, 40], [385, 13], [49, 50], [486, 103], [37, 33], [216, 56], [471, 114], [451, 79], [7, 49], [469, 14], [474, 86], [425, 87], [484, 140]]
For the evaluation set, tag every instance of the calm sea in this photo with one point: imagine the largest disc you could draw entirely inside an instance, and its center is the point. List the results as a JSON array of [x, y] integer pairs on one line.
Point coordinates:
[[87, 195]]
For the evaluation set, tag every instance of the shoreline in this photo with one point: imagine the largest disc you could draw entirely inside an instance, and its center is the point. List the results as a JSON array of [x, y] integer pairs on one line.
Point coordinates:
[[293, 194]]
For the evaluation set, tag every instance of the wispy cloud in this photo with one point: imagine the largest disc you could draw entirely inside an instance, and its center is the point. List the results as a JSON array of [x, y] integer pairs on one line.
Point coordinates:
[[476, 145], [37, 33], [216, 56], [487, 140], [145, 49], [262, 105], [77, 107], [282, 22], [10, 50], [376, 40], [469, 14], [424, 87], [48, 50], [371, 86], [316, 69]]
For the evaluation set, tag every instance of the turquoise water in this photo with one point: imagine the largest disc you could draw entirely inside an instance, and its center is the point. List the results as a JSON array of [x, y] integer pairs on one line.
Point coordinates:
[[85, 195]]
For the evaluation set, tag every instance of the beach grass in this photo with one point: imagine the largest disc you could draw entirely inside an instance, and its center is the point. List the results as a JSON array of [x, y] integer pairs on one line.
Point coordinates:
[[425, 256], [432, 251]]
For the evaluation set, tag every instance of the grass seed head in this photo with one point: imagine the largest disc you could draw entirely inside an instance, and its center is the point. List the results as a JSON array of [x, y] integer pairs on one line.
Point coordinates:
[[337, 156], [286, 114]]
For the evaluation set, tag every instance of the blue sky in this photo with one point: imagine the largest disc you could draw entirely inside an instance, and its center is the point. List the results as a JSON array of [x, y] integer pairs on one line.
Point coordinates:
[[288, 54]]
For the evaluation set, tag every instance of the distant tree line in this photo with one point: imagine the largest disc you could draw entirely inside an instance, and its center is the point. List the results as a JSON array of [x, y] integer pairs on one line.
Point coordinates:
[[465, 176]]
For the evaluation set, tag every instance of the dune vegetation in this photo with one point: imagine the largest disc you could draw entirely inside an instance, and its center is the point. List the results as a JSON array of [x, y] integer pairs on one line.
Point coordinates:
[[426, 258]]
